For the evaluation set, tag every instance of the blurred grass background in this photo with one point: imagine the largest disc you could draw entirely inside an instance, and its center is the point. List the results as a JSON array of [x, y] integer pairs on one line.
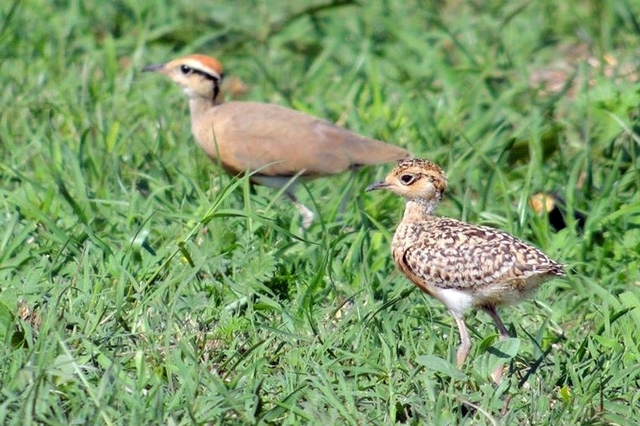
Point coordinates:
[[140, 285]]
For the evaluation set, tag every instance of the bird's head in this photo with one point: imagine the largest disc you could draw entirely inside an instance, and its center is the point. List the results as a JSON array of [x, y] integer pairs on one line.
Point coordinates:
[[199, 76], [414, 179]]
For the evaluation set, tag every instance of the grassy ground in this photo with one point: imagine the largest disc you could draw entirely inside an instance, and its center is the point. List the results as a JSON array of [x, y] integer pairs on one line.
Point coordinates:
[[140, 285]]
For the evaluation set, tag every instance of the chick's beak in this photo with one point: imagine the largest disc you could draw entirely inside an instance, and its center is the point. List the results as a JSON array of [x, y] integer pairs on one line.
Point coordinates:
[[377, 185]]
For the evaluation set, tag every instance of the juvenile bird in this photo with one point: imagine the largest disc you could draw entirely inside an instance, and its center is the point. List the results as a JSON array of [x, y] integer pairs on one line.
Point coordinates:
[[464, 266], [277, 144]]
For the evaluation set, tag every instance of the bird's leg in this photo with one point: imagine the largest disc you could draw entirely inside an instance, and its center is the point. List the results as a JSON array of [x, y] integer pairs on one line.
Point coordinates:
[[307, 215], [465, 340], [493, 313], [504, 334]]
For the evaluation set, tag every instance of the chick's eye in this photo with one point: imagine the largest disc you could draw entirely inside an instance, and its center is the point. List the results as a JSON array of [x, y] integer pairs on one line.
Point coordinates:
[[186, 70], [407, 179]]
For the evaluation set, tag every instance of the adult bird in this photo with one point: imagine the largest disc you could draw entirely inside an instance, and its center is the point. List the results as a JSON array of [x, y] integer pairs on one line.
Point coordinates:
[[278, 146]]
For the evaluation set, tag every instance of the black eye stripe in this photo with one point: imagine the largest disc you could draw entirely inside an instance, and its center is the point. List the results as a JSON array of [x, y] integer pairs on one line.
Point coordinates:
[[186, 70], [206, 75]]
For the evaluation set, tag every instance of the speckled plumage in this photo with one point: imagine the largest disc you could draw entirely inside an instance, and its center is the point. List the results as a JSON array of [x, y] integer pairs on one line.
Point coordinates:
[[448, 253], [462, 265]]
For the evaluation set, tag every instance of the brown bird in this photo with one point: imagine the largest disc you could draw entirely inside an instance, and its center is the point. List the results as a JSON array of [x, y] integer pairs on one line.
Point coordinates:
[[277, 145], [464, 266], [554, 206]]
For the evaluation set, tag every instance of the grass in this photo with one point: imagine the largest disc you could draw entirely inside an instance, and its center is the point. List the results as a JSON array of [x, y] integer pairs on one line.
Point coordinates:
[[140, 285]]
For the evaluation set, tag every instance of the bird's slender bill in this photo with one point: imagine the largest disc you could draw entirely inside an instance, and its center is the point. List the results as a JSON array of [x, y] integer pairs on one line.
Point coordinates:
[[153, 67], [377, 185]]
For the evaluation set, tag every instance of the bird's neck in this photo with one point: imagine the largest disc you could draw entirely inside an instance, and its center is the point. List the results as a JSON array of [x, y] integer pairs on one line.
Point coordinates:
[[199, 105], [419, 208]]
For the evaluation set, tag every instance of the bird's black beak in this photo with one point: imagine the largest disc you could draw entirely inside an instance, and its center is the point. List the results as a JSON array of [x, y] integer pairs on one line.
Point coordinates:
[[153, 67], [377, 185]]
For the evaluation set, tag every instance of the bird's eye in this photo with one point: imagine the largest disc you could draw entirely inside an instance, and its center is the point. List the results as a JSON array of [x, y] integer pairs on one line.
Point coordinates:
[[186, 70], [407, 179]]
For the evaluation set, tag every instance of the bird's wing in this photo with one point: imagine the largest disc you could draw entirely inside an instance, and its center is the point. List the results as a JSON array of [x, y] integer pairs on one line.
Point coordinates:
[[282, 142], [465, 256]]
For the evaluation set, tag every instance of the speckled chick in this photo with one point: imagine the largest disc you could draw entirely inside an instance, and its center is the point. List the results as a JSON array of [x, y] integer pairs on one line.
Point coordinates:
[[464, 266]]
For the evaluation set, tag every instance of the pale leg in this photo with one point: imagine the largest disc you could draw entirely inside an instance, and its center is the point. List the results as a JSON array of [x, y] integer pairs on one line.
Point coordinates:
[[465, 340], [307, 215]]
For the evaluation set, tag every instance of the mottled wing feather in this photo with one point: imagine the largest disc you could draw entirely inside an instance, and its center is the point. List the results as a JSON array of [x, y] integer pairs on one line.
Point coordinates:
[[450, 254]]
